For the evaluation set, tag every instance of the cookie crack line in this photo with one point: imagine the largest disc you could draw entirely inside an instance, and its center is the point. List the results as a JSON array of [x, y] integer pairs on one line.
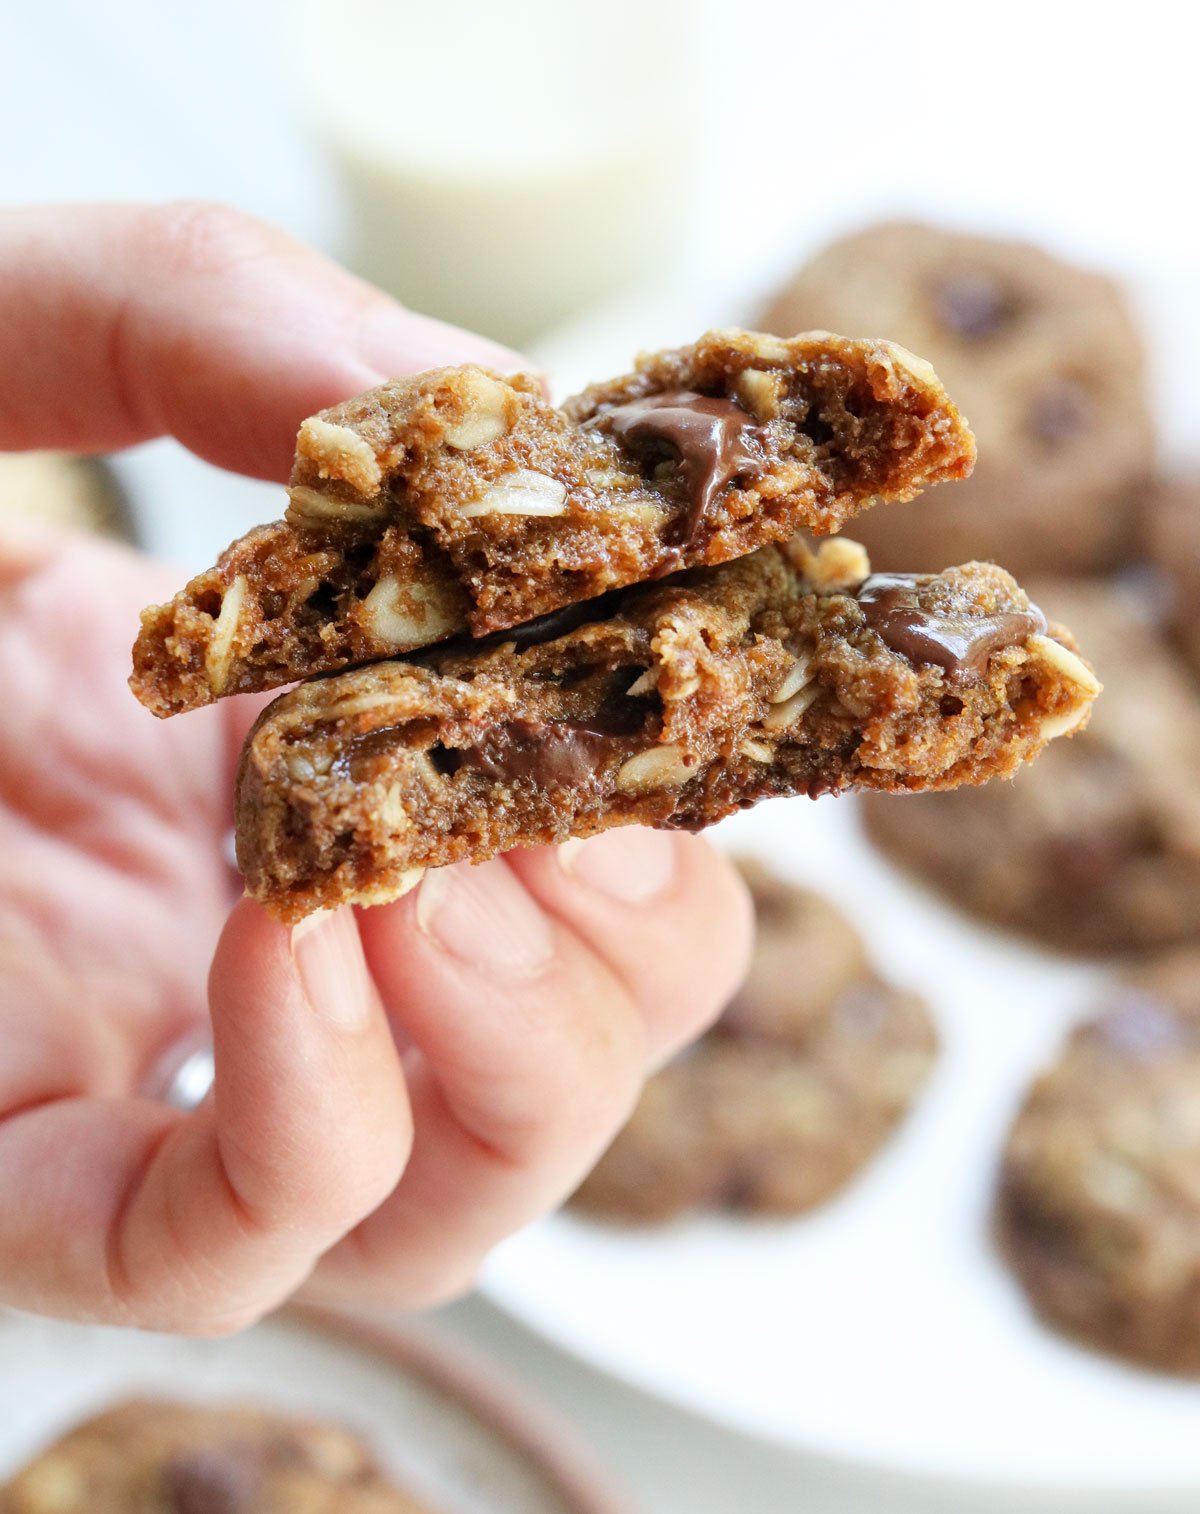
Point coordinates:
[[462, 502]]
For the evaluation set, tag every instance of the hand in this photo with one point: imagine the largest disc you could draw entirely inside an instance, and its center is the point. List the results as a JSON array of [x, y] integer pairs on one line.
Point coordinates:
[[530, 995]]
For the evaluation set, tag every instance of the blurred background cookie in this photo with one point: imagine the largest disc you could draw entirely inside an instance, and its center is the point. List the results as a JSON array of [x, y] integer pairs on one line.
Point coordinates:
[[80, 492], [164, 1458], [1173, 539], [1099, 1202], [1096, 847], [1047, 366], [795, 1087]]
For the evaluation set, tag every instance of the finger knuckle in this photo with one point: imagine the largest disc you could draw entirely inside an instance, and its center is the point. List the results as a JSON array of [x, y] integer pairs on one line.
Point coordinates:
[[197, 238]]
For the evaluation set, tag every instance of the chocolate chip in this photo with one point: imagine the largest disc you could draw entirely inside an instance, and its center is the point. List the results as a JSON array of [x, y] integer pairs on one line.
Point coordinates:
[[549, 754], [1059, 411], [711, 441], [211, 1481], [973, 305], [957, 642]]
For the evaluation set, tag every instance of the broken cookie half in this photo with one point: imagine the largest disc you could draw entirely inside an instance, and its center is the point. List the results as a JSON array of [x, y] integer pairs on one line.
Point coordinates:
[[783, 672], [459, 501]]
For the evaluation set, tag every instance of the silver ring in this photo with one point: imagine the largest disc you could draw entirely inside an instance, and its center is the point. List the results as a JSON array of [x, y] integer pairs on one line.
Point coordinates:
[[183, 1076]]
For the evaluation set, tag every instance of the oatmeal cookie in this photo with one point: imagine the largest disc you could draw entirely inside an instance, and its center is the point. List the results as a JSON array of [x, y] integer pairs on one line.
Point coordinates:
[[1173, 519], [1098, 1209], [461, 501], [146, 1457], [1096, 847], [672, 705], [81, 493], [792, 1091], [1047, 364]]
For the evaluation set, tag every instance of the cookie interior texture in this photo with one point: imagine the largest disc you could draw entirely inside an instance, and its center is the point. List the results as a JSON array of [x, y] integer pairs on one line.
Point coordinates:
[[191, 1459], [1096, 847], [1046, 362], [462, 501], [1098, 1210], [797, 1085], [673, 705]]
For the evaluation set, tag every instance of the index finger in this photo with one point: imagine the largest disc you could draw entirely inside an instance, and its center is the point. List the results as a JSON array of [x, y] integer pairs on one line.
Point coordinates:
[[121, 323]]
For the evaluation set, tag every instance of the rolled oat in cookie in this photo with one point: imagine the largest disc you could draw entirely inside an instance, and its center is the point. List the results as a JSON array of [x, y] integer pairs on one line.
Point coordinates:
[[460, 501], [783, 672]]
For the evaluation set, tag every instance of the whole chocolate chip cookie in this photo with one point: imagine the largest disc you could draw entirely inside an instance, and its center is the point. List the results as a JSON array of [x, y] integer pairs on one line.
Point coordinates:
[[1046, 363], [793, 1090], [1096, 847], [146, 1457], [1099, 1202], [1173, 528]]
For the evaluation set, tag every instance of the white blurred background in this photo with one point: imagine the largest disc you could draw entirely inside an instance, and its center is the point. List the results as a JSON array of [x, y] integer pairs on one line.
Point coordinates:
[[526, 166]]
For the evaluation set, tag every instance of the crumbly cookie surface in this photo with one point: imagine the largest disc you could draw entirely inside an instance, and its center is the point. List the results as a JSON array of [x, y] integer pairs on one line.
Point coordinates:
[[1047, 364], [146, 1457], [1173, 517], [791, 1092], [1099, 1204], [462, 501], [1095, 847], [672, 705]]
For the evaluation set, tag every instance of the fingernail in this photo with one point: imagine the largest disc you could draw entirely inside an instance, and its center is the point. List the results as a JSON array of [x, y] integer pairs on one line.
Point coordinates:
[[393, 340], [333, 971], [630, 865], [484, 917]]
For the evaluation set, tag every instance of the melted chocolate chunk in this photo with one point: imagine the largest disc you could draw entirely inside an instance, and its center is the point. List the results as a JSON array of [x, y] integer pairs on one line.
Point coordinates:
[[212, 1481], [558, 754], [713, 440], [556, 623], [958, 642], [973, 306]]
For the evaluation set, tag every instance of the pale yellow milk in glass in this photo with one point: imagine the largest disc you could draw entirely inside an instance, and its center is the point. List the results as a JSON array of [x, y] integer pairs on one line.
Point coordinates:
[[509, 164]]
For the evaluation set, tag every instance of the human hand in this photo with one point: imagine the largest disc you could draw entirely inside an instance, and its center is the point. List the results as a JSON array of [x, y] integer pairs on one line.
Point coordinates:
[[396, 1089]]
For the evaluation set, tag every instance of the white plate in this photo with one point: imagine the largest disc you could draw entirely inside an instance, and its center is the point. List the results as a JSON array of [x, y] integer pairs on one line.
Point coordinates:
[[881, 1329], [448, 1428]]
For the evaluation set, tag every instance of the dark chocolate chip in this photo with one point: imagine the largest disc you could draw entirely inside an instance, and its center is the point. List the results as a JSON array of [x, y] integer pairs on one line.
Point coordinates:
[[713, 441], [973, 305], [958, 642], [1059, 411], [213, 1481], [554, 754]]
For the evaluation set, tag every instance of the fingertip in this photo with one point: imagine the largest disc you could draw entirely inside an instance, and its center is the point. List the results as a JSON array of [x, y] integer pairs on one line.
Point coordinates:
[[303, 1049], [394, 340], [333, 973], [680, 948], [730, 901], [252, 952]]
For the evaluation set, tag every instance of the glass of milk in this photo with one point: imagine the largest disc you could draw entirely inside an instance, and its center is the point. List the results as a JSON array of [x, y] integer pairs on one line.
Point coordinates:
[[510, 162]]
